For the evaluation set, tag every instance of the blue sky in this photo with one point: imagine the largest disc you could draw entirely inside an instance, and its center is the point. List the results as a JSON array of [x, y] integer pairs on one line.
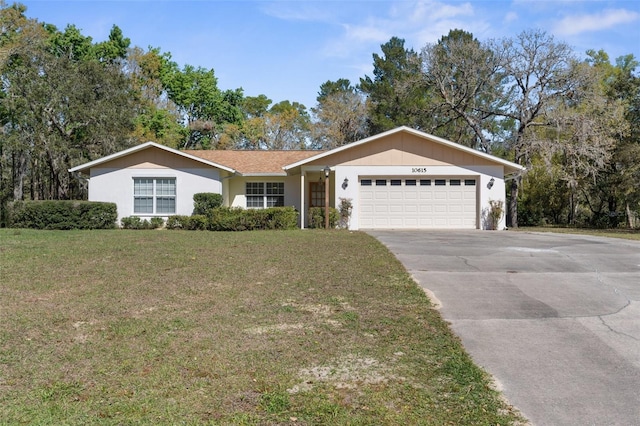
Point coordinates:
[[285, 49]]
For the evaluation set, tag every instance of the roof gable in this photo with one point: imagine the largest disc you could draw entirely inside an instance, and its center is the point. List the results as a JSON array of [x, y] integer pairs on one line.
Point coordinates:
[[146, 146], [405, 149]]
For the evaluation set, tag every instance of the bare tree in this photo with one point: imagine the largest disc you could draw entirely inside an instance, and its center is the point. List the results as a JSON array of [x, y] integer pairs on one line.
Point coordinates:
[[465, 76], [582, 131], [538, 72], [341, 118]]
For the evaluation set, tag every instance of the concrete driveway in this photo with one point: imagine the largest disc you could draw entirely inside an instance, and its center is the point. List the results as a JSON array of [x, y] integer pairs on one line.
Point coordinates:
[[555, 318]]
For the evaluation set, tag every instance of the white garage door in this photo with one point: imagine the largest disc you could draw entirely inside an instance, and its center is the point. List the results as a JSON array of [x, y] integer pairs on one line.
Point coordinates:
[[418, 203]]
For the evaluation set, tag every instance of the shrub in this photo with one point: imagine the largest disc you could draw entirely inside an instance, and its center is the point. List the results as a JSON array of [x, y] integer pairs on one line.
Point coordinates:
[[345, 208], [157, 222], [135, 222], [239, 219], [282, 218], [198, 222], [494, 214], [203, 202], [190, 223], [177, 222], [62, 214], [317, 220]]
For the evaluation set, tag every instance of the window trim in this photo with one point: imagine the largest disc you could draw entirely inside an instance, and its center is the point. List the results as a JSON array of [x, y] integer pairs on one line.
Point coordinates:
[[155, 196], [266, 194]]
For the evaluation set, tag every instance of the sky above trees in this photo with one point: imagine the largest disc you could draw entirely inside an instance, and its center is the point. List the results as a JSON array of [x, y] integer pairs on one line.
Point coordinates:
[[287, 49]]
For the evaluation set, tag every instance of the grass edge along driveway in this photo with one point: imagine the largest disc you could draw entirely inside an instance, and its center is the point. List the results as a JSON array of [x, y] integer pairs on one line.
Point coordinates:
[[178, 327]]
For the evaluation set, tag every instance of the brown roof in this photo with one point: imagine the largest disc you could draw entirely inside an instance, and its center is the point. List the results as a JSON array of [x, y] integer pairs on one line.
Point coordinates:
[[253, 162]]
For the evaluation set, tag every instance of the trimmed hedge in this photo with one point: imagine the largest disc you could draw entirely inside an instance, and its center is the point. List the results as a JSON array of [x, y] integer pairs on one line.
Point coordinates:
[[191, 223], [135, 222], [237, 219], [316, 217], [62, 214], [205, 201]]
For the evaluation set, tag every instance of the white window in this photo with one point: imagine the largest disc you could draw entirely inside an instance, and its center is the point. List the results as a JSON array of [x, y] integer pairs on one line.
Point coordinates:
[[261, 195], [154, 195]]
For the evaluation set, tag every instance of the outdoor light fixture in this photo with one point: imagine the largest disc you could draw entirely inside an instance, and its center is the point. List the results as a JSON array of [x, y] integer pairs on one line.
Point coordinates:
[[345, 183], [491, 182], [327, 170]]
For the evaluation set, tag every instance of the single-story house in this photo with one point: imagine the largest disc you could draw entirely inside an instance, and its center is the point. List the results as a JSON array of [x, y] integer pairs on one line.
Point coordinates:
[[402, 178]]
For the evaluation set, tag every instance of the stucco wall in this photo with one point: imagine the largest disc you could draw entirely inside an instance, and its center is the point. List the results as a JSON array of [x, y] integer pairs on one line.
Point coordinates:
[[237, 189], [116, 185]]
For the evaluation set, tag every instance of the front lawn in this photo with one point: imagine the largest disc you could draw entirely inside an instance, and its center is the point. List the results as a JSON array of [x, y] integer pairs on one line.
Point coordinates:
[[623, 233], [177, 327]]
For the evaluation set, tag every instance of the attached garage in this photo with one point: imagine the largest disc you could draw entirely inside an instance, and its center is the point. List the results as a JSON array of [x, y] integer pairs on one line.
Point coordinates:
[[407, 179], [416, 203]]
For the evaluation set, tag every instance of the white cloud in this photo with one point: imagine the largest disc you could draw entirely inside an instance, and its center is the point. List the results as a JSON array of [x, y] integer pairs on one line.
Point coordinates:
[[418, 22], [510, 17], [572, 25]]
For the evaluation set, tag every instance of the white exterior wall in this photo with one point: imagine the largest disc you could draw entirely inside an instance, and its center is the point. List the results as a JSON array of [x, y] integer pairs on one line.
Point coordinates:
[[237, 189], [482, 173], [116, 186]]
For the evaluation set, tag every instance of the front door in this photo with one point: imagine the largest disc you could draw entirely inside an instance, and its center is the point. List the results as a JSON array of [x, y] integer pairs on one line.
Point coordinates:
[[316, 194]]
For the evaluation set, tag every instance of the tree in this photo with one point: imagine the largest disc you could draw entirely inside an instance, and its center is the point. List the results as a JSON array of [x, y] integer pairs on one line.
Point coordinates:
[[255, 106], [73, 45], [465, 77], [205, 108], [341, 85], [393, 98], [617, 188], [158, 118], [341, 115], [60, 110], [537, 69], [581, 133], [286, 126]]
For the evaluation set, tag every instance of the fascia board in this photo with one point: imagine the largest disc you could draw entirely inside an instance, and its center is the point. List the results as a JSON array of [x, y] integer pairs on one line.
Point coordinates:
[[142, 147], [418, 133]]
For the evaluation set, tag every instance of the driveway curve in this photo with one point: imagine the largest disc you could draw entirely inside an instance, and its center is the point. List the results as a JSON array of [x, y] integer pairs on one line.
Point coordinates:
[[555, 318]]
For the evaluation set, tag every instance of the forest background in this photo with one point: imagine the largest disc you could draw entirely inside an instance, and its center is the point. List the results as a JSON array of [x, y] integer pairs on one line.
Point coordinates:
[[66, 99]]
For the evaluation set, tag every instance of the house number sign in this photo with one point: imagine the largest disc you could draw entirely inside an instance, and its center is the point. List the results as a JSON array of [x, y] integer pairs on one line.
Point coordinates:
[[418, 170]]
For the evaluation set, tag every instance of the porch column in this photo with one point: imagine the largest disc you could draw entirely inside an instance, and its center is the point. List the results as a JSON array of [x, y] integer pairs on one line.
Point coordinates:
[[302, 198]]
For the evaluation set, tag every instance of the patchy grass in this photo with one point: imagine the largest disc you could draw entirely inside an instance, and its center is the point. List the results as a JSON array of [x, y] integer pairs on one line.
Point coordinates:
[[171, 327], [627, 234]]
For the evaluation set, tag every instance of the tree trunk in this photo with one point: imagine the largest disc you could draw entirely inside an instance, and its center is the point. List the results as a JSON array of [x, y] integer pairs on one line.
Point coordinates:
[[19, 175], [630, 216], [513, 202]]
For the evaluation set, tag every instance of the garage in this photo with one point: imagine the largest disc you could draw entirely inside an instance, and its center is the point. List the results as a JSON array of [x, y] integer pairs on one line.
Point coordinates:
[[407, 179], [418, 202]]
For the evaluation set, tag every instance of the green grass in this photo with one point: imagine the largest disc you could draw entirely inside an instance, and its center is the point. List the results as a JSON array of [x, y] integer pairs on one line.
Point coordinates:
[[627, 234], [257, 328]]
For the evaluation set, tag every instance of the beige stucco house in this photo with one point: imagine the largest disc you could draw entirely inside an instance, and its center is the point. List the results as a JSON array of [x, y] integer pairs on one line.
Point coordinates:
[[402, 178]]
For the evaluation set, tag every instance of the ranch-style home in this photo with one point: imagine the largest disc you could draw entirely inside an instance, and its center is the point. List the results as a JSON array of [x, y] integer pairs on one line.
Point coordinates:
[[402, 178]]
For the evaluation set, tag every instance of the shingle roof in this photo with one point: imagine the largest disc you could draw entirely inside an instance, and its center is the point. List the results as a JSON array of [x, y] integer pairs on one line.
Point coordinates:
[[253, 162]]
